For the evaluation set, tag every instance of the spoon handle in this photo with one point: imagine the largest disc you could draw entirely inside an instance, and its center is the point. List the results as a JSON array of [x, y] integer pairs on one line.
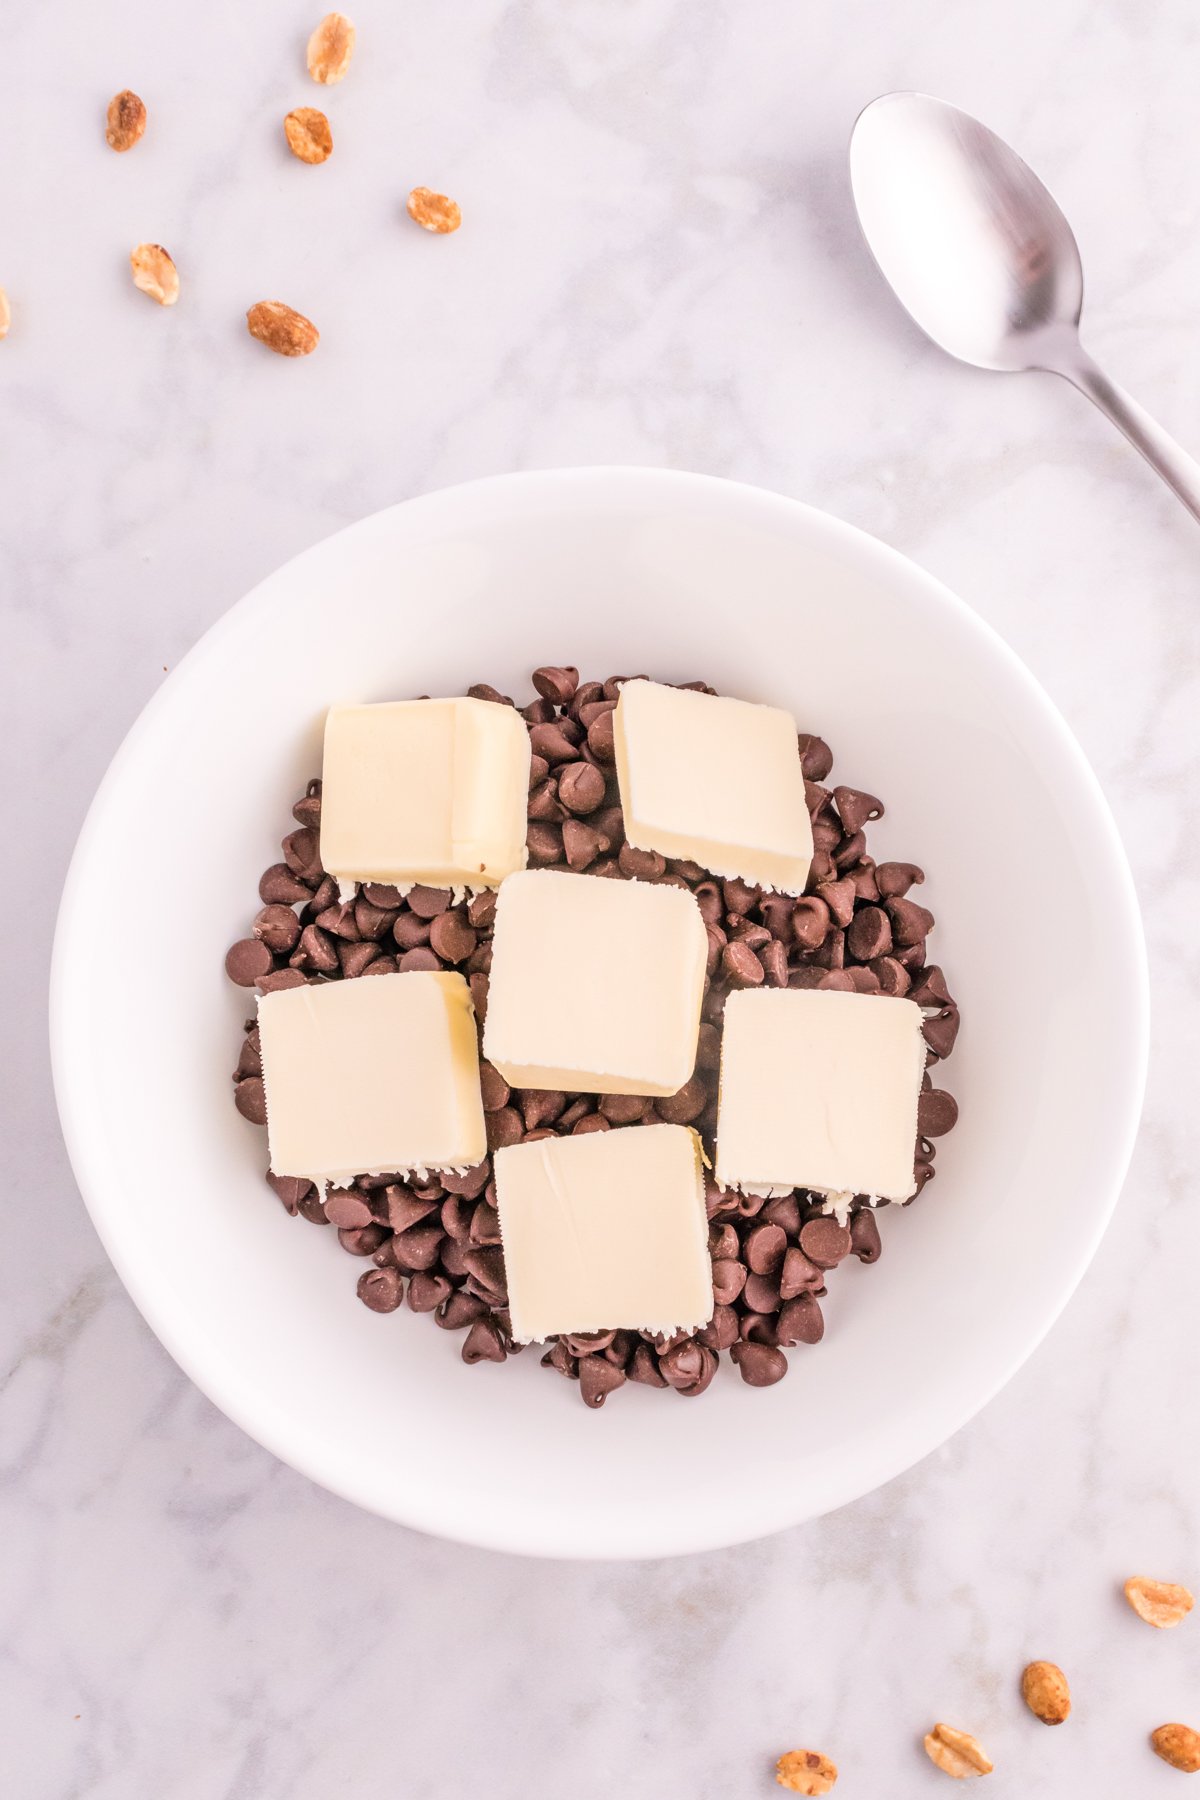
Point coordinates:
[[1180, 471]]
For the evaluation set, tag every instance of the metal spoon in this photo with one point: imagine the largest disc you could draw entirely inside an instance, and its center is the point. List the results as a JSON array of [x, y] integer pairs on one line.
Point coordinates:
[[982, 258]]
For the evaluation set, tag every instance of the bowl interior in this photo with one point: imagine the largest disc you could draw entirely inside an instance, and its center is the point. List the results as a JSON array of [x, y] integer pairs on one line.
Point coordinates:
[[615, 571]]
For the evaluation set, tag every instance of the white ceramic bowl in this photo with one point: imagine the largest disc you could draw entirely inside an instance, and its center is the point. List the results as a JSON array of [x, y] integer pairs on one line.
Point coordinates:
[[614, 570]]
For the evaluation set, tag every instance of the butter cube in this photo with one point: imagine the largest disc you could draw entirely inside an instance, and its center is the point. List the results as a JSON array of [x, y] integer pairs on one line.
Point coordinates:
[[595, 985], [430, 791], [819, 1090], [363, 1077], [715, 781], [605, 1231]]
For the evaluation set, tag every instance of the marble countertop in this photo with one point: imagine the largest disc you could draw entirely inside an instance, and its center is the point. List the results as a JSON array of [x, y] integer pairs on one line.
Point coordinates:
[[658, 264]]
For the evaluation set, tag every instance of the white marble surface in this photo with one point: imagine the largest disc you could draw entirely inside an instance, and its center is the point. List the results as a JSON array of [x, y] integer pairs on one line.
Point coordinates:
[[658, 265]]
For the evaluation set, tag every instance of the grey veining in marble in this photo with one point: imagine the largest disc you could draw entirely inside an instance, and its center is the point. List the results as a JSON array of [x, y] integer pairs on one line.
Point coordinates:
[[658, 264]]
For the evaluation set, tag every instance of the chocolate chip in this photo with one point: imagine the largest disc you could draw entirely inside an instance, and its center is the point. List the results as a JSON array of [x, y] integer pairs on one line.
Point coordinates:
[[581, 844], [623, 1109], [541, 1106], [427, 1291], [685, 1106], [722, 1329], [486, 1269], [856, 808], [485, 1225], [641, 865], [798, 1275], [302, 854], [688, 1368], [279, 887], [557, 685], [586, 694], [451, 937], [581, 787], [494, 1088], [373, 922], [460, 1309], [824, 1241], [941, 1032], [483, 1342], [740, 896], [894, 879], [587, 1343], [839, 898], [558, 742], [543, 802], [764, 1248], [316, 951], [937, 1113], [355, 959], [249, 1056], [816, 758], [428, 902], [849, 854], [723, 1243], [281, 978], [544, 843], [708, 1048], [832, 953], [382, 965], [742, 968], [279, 929], [309, 1207], [560, 1358], [422, 959], [863, 877], [291, 1189], [407, 1208], [759, 1365], [761, 1293], [911, 923], [729, 1278], [346, 1207], [481, 691], [592, 1122], [746, 931], [250, 1100], [360, 1240], [643, 1367], [800, 1321], [597, 1379], [601, 739], [783, 1210], [418, 1247], [382, 895], [504, 1126], [538, 712], [247, 961], [578, 1109], [865, 981], [892, 976], [869, 934], [810, 921], [773, 957], [865, 1241], [381, 1289], [339, 921], [836, 981], [456, 1215]]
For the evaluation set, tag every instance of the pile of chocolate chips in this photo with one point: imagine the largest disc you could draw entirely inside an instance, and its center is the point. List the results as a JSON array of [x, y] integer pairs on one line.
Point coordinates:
[[438, 1243]]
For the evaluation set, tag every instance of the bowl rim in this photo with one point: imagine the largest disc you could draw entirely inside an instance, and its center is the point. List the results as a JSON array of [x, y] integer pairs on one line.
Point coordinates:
[[588, 481]]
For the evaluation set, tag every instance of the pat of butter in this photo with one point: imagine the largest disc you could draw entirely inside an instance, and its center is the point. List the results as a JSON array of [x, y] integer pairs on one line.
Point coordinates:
[[714, 781], [819, 1090], [595, 985], [605, 1232], [363, 1077], [431, 791]]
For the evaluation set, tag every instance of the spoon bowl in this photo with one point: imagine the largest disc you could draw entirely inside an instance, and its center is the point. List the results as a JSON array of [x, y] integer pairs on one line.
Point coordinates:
[[975, 247], [980, 255]]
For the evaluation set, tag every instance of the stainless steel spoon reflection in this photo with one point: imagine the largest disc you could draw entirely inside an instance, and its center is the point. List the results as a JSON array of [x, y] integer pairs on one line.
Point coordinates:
[[981, 256]]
